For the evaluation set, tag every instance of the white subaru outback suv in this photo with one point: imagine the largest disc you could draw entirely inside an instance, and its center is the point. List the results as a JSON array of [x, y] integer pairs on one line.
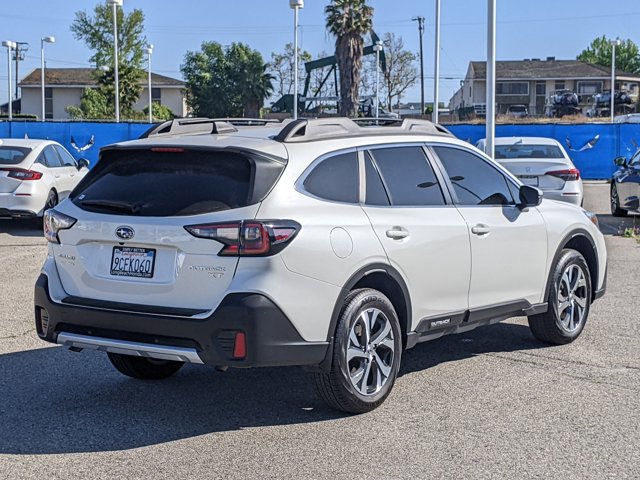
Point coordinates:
[[318, 243]]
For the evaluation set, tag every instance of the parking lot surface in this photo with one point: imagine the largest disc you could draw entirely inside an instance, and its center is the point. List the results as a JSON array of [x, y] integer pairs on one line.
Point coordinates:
[[492, 403]]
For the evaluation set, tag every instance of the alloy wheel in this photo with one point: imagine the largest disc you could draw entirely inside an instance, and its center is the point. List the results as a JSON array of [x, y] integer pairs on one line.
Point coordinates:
[[572, 298], [370, 351]]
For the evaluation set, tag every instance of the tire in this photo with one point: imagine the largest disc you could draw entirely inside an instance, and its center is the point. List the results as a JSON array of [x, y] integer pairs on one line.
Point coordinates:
[[366, 360], [144, 368], [52, 200], [616, 211], [569, 301]]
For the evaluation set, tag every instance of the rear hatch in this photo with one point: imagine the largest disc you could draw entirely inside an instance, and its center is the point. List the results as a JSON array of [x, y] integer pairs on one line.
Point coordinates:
[[12, 167], [542, 166], [130, 244]]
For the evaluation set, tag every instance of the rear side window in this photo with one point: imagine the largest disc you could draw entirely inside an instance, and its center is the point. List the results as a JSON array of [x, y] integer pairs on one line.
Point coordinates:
[[155, 184], [474, 180], [408, 176], [13, 155], [335, 178]]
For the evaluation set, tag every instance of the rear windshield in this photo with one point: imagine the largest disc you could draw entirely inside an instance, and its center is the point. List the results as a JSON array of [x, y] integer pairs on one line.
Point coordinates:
[[154, 184], [13, 155], [528, 151], [517, 109]]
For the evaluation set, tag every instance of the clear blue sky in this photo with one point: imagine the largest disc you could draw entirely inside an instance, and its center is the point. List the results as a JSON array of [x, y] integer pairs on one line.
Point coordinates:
[[526, 29]]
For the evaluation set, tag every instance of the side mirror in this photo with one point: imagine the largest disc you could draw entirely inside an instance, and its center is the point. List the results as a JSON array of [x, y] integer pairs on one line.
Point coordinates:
[[529, 197], [620, 161], [83, 163]]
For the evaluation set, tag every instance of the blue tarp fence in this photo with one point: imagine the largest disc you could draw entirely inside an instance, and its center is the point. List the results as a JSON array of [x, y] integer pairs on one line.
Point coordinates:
[[592, 146]]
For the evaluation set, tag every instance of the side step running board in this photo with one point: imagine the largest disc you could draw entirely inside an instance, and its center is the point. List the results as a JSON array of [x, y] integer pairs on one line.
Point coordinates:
[[159, 352]]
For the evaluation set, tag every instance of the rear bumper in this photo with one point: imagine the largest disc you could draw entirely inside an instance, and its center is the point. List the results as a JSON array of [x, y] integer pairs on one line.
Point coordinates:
[[15, 206], [271, 339]]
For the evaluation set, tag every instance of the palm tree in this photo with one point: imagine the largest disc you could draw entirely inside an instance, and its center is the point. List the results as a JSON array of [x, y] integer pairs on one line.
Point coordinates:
[[257, 87], [348, 21]]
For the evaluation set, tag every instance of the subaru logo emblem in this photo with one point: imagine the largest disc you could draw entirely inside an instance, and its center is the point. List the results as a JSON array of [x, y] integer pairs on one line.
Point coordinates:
[[125, 233]]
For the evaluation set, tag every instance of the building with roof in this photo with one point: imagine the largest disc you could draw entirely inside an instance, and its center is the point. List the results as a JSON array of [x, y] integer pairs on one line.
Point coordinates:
[[64, 87], [530, 82]]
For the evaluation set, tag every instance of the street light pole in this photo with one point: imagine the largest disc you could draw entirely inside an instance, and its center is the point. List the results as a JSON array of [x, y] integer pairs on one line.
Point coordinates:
[[436, 69], [614, 43], [377, 48], [42, 42], [490, 115], [115, 4], [149, 52], [10, 46], [296, 5], [420, 21]]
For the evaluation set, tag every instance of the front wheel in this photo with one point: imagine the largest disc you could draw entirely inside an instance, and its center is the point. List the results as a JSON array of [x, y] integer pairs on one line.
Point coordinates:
[[616, 211], [366, 354], [144, 368], [569, 301]]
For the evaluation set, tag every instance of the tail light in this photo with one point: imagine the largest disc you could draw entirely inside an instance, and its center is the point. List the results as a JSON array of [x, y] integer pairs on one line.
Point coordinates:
[[566, 175], [22, 174], [55, 221], [248, 237]]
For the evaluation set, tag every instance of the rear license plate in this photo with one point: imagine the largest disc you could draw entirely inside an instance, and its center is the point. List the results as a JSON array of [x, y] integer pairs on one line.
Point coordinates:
[[133, 262], [529, 180]]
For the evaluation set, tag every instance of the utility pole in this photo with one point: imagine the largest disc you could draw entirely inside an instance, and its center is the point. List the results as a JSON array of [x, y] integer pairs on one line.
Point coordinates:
[[436, 67], [420, 21], [18, 56]]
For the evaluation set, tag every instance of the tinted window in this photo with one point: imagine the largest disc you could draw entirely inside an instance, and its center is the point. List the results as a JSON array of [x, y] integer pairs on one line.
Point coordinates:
[[13, 155], [474, 180], [376, 194], [51, 157], [66, 157], [528, 151], [407, 176], [139, 182], [335, 178]]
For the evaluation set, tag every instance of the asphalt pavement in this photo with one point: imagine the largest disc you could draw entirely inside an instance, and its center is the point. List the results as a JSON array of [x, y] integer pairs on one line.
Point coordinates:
[[492, 403]]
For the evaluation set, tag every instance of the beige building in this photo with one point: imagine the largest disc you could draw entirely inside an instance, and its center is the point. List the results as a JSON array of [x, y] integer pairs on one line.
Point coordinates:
[[531, 82], [64, 87]]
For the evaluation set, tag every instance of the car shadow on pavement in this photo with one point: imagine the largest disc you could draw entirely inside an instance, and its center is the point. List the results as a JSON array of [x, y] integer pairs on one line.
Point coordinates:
[[55, 401], [610, 225], [29, 227]]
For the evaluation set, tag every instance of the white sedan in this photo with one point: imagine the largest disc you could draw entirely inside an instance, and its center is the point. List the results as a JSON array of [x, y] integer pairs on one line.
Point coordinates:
[[540, 162], [35, 175]]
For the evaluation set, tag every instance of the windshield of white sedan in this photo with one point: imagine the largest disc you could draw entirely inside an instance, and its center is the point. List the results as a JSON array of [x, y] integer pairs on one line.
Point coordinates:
[[528, 151], [13, 155]]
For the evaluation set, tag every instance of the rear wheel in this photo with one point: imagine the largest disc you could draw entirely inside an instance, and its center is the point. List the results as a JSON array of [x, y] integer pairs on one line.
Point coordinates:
[[569, 301], [616, 211], [366, 354], [52, 200], [144, 368]]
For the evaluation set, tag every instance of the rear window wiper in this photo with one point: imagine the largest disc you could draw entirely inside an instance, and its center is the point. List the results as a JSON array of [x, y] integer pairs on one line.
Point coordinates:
[[113, 205]]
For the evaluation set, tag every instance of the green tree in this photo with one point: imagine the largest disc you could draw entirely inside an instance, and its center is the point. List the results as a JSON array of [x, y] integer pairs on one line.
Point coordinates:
[[348, 21], [94, 105], [96, 31], [282, 68], [599, 52], [229, 81]]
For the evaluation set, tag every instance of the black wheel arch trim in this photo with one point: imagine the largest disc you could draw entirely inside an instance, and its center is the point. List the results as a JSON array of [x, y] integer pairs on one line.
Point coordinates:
[[579, 232], [346, 289]]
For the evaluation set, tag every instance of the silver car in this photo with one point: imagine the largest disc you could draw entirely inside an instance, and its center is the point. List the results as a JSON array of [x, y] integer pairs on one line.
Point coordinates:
[[540, 162]]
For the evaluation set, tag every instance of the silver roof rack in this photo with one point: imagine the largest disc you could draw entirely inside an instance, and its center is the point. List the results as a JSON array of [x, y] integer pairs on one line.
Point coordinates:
[[308, 130], [194, 126]]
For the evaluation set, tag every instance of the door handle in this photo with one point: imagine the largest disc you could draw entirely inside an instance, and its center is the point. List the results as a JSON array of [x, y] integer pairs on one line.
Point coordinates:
[[480, 229], [397, 233], [57, 176]]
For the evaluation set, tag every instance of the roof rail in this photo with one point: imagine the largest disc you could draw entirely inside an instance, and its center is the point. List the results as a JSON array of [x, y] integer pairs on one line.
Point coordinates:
[[190, 126], [310, 129]]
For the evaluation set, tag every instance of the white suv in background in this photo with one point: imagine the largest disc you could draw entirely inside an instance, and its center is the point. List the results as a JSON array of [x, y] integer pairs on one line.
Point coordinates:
[[318, 243]]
